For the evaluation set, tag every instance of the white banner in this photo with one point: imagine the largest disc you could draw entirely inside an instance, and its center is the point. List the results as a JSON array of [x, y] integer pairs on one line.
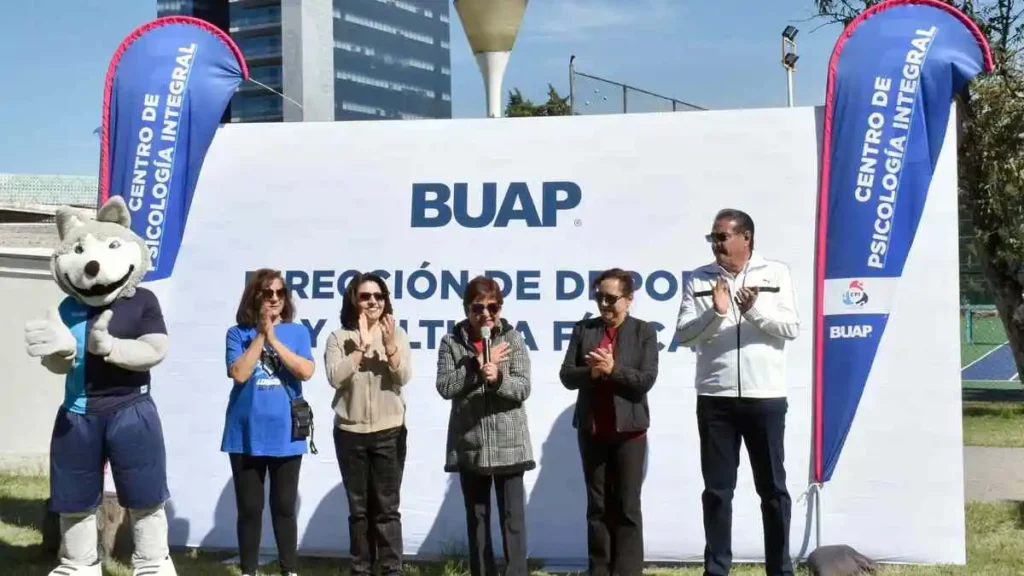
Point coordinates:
[[542, 204]]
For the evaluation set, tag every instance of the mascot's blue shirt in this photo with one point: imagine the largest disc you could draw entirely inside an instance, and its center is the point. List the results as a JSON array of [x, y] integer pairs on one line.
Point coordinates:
[[94, 385], [259, 415]]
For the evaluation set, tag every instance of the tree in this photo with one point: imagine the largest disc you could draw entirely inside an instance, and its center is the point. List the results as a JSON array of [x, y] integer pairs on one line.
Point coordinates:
[[990, 155], [519, 107]]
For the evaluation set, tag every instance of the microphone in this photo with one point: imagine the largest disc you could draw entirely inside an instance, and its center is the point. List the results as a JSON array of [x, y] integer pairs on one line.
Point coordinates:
[[485, 334]]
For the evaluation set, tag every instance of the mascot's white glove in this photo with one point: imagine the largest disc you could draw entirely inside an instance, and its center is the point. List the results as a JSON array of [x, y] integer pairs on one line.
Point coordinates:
[[49, 336], [100, 341]]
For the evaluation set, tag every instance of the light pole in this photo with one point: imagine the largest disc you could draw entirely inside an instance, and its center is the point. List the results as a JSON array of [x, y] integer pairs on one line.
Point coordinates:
[[789, 59], [491, 27]]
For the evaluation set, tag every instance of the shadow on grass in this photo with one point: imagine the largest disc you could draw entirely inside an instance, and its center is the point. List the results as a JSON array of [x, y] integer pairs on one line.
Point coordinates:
[[22, 512], [31, 514], [31, 559], [204, 563], [1018, 514], [323, 566]]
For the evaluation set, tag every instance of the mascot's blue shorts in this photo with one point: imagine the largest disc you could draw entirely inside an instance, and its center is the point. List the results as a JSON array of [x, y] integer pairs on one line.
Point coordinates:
[[131, 438]]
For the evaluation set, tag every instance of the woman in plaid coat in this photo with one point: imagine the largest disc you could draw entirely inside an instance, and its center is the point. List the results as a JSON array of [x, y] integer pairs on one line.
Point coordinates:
[[488, 435]]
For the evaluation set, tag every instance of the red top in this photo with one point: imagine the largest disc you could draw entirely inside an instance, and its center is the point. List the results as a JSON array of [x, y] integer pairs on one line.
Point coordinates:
[[604, 398]]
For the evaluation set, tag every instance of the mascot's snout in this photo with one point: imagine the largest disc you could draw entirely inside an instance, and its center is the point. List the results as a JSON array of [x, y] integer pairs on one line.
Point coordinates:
[[99, 260]]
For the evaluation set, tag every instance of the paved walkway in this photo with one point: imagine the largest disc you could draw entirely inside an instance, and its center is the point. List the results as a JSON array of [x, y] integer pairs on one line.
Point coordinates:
[[993, 474]]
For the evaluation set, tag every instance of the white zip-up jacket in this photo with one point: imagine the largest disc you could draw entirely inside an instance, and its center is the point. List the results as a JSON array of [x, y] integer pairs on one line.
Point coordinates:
[[740, 355]]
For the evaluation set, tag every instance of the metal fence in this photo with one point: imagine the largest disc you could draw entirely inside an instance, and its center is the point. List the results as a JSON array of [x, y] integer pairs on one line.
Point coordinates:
[[48, 190], [589, 94], [986, 359], [981, 326]]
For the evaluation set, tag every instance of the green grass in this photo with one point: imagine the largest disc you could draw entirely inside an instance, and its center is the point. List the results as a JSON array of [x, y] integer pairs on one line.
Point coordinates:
[[995, 545], [998, 424]]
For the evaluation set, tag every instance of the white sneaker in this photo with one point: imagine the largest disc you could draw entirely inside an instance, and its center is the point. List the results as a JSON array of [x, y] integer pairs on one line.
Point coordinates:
[[71, 570], [163, 568]]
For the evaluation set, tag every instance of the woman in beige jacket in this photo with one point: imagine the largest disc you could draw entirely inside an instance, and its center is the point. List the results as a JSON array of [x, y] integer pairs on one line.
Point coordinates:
[[368, 362]]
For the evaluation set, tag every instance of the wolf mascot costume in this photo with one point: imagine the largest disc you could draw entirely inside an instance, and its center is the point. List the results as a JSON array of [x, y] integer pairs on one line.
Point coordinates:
[[104, 337]]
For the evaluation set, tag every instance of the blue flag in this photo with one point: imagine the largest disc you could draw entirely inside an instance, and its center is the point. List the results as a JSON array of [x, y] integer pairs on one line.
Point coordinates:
[[167, 87], [892, 78]]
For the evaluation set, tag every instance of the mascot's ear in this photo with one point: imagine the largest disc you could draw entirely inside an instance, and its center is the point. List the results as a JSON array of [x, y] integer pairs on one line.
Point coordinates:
[[116, 211], [67, 220]]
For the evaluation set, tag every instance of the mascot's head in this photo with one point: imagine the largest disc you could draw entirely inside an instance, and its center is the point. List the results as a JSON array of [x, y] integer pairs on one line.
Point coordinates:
[[99, 259]]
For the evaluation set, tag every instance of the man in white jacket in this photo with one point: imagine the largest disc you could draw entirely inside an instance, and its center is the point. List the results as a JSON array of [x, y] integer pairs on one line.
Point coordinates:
[[738, 313]]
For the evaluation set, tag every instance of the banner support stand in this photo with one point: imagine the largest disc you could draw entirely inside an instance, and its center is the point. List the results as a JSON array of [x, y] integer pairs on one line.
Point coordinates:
[[817, 515]]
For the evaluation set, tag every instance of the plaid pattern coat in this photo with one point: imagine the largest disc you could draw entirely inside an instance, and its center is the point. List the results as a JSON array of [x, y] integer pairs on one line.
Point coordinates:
[[487, 429]]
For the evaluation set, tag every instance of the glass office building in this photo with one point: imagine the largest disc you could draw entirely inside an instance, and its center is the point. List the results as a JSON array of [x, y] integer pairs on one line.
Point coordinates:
[[340, 59], [391, 59]]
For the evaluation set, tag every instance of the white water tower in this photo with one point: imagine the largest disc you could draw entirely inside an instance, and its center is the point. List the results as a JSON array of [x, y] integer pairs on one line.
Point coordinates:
[[491, 27]]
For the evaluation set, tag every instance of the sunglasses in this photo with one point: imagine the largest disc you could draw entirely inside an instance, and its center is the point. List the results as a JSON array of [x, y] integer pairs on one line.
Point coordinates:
[[366, 296], [718, 237], [268, 293], [606, 299], [479, 308]]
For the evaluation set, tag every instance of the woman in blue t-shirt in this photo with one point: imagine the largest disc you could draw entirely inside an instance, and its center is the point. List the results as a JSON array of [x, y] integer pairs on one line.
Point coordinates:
[[268, 358]]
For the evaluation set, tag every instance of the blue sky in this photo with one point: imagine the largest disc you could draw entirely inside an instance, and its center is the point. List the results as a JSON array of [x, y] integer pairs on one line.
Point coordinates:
[[717, 54]]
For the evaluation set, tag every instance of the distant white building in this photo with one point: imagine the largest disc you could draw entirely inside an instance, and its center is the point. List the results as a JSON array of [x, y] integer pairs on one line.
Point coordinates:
[[28, 203]]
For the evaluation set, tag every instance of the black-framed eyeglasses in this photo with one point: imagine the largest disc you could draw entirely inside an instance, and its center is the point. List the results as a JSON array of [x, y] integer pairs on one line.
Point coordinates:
[[267, 293], [365, 296], [493, 308], [607, 299], [717, 237]]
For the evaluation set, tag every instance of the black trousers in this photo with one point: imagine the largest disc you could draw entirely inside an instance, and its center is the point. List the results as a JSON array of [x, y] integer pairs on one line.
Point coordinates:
[[614, 472], [511, 497], [249, 473], [760, 424], [372, 466]]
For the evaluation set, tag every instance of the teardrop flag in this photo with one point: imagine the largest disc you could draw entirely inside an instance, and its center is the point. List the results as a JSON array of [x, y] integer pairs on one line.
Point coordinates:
[[167, 87], [892, 78]]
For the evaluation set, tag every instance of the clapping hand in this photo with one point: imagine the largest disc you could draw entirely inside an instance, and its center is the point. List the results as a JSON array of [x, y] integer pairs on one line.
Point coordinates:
[[364, 333], [746, 297], [387, 330], [266, 328], [720, 296], [601, 362], [591, 361]]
